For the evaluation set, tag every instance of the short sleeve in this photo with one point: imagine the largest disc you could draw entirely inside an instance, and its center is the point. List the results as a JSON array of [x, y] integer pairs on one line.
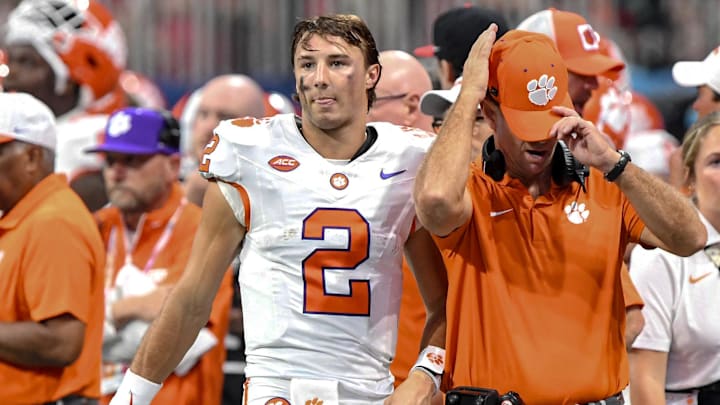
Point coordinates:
[[58, 270], [631, 220], [652, 274]]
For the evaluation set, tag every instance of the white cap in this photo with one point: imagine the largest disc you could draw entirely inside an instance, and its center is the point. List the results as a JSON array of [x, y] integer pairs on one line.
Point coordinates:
[[693, 74], [27, 119], [436, 102]]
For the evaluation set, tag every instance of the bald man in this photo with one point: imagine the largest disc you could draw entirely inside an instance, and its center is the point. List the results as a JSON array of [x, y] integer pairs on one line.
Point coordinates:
[[402, 82], [223, 97]]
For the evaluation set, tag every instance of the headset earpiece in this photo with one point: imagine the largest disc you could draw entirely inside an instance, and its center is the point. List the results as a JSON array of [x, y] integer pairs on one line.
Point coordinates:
[[493, 160], [170, 134], [565, 169]]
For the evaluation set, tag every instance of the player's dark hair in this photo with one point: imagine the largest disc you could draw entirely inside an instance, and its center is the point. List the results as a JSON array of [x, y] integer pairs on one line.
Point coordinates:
[[350, 28]]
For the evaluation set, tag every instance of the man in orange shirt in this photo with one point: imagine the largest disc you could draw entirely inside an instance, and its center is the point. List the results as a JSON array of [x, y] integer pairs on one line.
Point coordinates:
[[148, 230], [51, 268], [532, 241]]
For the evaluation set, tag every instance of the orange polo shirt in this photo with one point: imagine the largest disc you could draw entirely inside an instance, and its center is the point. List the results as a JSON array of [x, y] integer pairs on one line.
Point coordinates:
[[203, 384], [51, 263], [535, 303], [411, 324]]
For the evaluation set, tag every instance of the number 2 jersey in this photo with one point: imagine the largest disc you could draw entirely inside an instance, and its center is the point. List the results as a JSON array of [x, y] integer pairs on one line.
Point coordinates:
[[320, 273]]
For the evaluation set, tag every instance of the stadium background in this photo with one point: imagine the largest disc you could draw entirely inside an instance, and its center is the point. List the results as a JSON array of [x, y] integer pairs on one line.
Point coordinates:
[[181, 43]]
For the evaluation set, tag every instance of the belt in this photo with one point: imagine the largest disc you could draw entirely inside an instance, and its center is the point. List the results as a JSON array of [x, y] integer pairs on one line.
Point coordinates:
[[74, 400], [616, 399]]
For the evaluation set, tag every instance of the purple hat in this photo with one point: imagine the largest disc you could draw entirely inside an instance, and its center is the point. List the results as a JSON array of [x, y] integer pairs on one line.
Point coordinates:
[[140, 131]]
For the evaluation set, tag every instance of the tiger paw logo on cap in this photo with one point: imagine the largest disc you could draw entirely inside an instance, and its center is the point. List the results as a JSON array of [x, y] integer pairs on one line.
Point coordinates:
[[119, 124], [541, 91]]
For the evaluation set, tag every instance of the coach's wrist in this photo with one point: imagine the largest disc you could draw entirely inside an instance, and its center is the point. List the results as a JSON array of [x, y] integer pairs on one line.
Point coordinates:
[[609, 162]]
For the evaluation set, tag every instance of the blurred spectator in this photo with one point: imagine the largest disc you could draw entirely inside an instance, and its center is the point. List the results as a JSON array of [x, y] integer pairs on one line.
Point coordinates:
[[436, 104], [141, 91], [277, 103], [223, 97], [454, 33], [3, 68], [579, 46], [71, 58], [402, 82], [706, 76], [148, 230], [676, 360], [652, 151], [609, 104], [51, 268]]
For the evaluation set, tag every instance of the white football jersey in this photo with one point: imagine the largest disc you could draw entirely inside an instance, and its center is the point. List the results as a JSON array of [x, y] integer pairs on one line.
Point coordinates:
[[320, 273], [75, 135]]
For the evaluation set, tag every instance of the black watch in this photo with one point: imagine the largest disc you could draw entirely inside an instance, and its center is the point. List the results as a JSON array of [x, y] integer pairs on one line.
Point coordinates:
[[619, 167]]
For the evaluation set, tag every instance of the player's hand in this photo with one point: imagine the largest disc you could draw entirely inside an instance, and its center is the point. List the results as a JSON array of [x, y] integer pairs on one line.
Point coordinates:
[[584, 140], [417, 389], [475, 70]]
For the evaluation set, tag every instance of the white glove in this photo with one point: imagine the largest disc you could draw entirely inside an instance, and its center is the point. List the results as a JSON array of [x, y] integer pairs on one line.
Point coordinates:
[[135, 390]]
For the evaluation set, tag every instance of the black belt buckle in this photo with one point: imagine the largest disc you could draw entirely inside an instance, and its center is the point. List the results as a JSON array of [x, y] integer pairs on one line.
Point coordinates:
[[472, 396]]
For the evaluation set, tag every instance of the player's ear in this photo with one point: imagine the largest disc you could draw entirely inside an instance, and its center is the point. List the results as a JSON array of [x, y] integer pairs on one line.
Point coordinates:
[[372, 76]]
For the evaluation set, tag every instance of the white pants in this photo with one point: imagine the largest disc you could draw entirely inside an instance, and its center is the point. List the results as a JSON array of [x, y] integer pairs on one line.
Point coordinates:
[[279, 391]]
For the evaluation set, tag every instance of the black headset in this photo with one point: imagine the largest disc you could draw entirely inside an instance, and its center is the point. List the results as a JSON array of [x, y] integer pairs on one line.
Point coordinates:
[[565, 169], [169, 137]]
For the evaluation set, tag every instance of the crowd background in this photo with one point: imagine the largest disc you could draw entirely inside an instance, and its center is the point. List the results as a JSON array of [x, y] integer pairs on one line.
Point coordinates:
[[180, 44]]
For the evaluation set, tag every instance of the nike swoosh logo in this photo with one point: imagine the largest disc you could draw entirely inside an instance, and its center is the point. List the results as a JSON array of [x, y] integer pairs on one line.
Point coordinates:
[[386, 176], [498, 213], [694, 280]]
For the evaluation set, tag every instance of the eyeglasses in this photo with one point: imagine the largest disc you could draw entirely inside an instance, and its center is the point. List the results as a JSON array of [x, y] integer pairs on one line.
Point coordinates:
[[438, 122], [391, 97]]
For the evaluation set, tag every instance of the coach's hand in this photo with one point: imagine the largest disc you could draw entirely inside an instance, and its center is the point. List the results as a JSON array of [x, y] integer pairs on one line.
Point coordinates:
[[586, 142], [475, 70]]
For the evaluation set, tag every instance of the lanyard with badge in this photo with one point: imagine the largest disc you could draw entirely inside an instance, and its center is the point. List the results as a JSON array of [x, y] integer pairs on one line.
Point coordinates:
[[129, 270]]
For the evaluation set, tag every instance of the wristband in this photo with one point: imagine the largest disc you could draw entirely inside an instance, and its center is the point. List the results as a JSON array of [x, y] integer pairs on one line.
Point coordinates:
[[135, 390], [619, 167], [432, 362]]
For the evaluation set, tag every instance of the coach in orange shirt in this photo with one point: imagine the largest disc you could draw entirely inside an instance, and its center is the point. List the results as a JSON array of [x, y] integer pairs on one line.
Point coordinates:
[[148, 230], [533, 243], [51, 268]]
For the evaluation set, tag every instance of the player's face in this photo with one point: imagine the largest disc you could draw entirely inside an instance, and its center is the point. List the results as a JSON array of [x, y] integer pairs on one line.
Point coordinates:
[[707, 174], [332, 81], [524, 160], [705, 102], [136, 183], [29, 73], [580, 88]]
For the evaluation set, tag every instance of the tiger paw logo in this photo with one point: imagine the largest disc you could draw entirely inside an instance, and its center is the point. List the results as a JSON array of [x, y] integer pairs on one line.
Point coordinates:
[[542, 90], [277, 401], [435, 359], [577, 213], [339, 181], [314, 401]]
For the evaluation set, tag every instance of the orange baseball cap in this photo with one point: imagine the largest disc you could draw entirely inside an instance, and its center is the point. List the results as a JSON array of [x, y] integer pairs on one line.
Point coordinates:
[[527, 78], [577, 41]]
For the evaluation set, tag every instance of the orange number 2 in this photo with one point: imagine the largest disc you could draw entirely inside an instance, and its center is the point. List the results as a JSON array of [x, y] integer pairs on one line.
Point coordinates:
[[317, 300], [210, 148]]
